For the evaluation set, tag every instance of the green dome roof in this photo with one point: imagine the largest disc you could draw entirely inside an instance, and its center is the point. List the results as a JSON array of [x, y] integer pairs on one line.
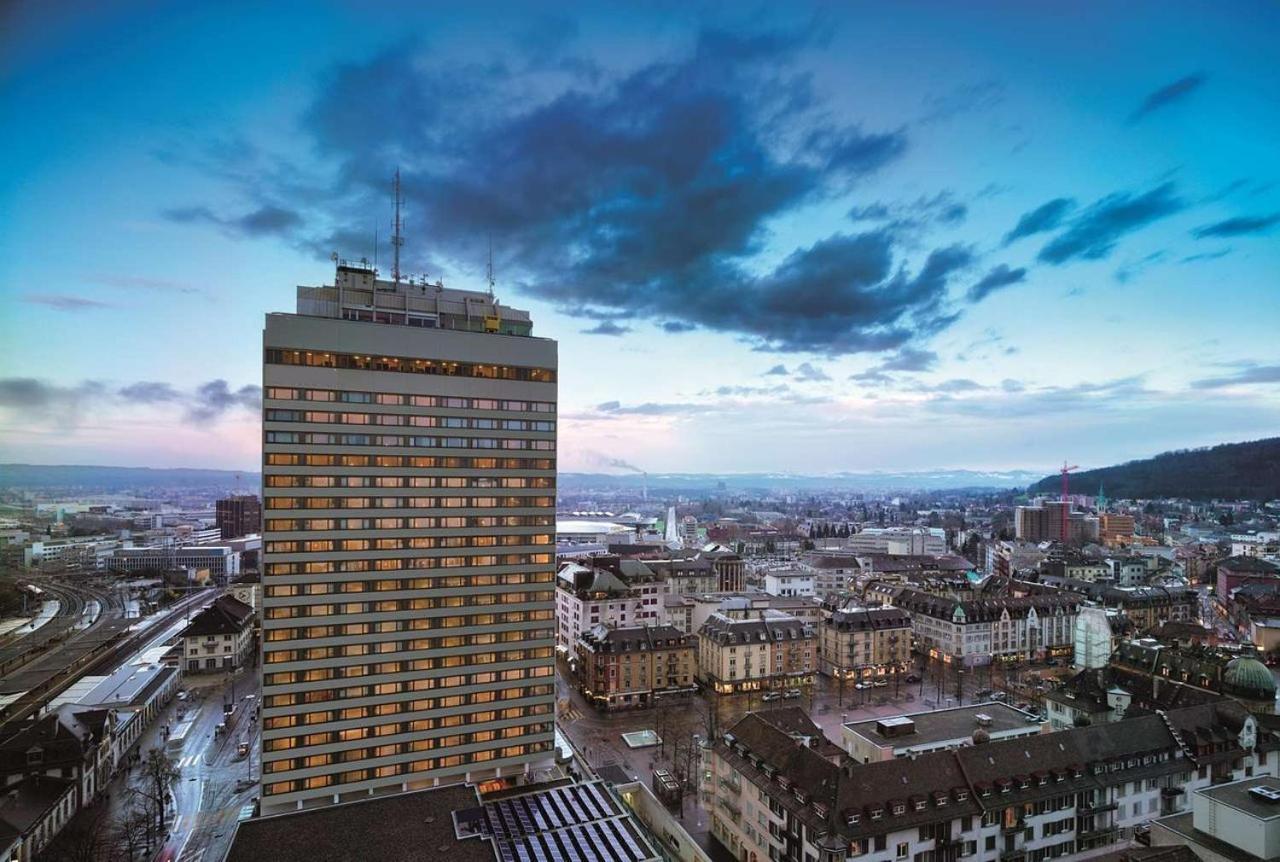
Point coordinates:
[[1249, 677]]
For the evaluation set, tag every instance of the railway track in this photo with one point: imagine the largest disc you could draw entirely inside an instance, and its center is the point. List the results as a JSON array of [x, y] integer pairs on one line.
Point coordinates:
[[101, 646]]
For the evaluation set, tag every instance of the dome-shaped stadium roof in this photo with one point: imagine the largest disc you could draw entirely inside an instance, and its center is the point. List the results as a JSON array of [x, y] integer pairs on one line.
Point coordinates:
[[1248, 677]]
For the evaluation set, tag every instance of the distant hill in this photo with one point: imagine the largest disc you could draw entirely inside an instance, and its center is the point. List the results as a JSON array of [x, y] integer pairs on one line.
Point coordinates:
[[928, 480], [110, 480], [1232, 471]]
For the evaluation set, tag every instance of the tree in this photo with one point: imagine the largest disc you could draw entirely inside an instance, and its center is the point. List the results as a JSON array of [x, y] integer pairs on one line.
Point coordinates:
[[157, 772], [88, 837]]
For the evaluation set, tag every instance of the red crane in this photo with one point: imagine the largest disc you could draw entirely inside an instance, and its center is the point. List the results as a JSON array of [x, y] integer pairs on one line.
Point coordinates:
[[1066, 470]]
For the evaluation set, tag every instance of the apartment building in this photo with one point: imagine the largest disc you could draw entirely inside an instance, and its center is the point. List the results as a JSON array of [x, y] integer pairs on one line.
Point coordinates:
[[864, 642], [789, 582], [238, 515], [1146, 607], [408, 548], [999, 628], [627, 668], [772, 795], [604, 590], [1043, 523], [1115, 530], [770, 651]]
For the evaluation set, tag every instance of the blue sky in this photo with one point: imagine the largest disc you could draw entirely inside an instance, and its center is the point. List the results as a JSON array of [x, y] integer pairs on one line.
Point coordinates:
[[847, 237]]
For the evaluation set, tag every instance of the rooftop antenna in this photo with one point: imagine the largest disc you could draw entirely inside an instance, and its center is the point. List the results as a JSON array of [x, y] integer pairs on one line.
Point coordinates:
[[375, 249], [490, 271], [397, 240]]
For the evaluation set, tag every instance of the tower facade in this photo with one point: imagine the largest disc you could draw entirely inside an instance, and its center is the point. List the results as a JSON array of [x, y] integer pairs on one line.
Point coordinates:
[[409, 541]]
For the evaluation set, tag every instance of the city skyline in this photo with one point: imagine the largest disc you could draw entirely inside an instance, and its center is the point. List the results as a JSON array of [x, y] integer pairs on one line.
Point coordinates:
[[984, 237]]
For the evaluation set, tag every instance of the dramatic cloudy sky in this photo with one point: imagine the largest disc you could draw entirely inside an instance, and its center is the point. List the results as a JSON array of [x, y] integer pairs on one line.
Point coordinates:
[[881, 236]]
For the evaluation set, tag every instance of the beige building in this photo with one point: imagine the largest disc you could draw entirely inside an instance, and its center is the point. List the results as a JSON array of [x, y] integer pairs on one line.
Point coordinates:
[[408, 548], [769, 651], [865, 642], [625, 668]]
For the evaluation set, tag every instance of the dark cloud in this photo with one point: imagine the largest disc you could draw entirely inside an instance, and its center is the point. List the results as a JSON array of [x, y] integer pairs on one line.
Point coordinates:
[[69, 404], [1170, 93], [910, 359], [777, 370], [28, 393], [872, 377], [1131, 270], [1092, 234], [677, 326], [1239, 226], [808, 372], [1019, 400], [1043, 218], [943, 208], [650, 408], [981, 96], [646, 192], [213, 399], [65, 302], [133, 282], [1251, 375], [266, 220], [1208, 255], [1000, 276], [607, 327], [149, 393], [745, 391]]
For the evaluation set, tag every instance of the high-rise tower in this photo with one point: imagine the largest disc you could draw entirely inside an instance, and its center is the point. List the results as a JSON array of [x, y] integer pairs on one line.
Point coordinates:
[[409, 542]]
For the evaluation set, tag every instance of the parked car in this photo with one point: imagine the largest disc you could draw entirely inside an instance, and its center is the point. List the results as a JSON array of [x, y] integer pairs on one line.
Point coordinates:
[[792, 693], [771, 696], [880, 683], [912, 677], [998, 696]]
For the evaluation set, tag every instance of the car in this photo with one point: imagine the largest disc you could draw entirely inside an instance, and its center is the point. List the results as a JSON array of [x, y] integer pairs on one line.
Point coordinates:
[[792, 693], [860, 686], [880, 683], [998, 696], [913, 677], [771, 696], [182, 695]]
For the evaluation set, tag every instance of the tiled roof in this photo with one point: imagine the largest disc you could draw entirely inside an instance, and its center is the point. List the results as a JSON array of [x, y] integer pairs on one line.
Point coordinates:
[[227, 615]]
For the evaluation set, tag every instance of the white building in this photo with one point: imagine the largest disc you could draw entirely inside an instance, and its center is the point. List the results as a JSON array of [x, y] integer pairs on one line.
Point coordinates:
[[618, 593], [789, 583], [913, 541], [974, 632], [219, 637]]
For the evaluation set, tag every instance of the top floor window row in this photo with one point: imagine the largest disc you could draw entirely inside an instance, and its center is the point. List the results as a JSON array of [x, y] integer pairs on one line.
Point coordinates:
[[326, 359], [399, 399]]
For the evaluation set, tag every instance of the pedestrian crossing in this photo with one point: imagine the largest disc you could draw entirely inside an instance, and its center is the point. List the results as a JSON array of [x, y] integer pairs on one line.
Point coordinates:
[[192, 854], [571, 713]]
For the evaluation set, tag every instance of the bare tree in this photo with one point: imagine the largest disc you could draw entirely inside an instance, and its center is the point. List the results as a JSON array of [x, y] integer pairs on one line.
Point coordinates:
[[157, 771], [89, 837]]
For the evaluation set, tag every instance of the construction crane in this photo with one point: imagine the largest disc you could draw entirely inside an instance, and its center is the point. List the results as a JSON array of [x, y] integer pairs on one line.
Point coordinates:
[[1066, 472]]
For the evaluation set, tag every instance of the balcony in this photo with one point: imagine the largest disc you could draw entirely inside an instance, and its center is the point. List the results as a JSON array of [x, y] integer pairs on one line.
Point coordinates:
[[1095, 808], [1013, 855]]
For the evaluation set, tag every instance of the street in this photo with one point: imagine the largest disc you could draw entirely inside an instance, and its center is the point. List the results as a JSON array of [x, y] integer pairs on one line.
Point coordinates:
[[205, 800]]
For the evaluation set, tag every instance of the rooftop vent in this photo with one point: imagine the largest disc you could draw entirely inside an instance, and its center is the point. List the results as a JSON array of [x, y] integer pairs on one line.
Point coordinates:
[[982, 719], [1270, 795]]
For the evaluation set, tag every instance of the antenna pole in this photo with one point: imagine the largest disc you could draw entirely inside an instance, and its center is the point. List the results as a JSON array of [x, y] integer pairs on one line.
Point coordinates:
[[398, 239], [375, 250], [490, 271]]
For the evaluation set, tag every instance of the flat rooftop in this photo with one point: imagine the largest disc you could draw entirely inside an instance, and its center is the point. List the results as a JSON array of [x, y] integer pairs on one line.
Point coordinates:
[[404, 826], [1237, 795], [939, 725]]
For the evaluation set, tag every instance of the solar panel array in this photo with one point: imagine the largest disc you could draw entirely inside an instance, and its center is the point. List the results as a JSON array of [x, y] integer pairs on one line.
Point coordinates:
[[575, 823]]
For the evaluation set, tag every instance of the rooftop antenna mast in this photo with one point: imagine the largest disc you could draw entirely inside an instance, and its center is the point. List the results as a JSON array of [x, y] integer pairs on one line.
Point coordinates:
[[489, 274], [398, 239]]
